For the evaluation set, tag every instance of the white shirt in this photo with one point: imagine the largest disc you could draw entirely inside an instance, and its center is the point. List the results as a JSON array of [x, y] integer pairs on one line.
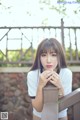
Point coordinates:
[[66, 80]]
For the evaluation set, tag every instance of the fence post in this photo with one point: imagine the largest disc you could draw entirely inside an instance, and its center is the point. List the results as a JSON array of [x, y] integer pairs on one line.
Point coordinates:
[[32, 51], [62, 33], [76, 111], [50, 101]]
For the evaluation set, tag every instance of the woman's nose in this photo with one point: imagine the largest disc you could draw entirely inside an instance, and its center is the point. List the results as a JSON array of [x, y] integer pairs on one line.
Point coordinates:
[[48, 59]]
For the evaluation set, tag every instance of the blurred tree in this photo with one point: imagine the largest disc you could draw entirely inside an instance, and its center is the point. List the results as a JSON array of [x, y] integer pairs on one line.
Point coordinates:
[[58, 5]]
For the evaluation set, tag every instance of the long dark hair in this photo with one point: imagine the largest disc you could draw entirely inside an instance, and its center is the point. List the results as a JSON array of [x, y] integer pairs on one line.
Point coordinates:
[[45, 45]]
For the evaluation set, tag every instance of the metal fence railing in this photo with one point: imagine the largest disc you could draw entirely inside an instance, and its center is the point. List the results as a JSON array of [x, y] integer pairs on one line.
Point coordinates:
[[22, 39]]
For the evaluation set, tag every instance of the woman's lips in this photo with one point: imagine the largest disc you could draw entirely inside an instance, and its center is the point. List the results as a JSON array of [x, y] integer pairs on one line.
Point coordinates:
[[49, 66]]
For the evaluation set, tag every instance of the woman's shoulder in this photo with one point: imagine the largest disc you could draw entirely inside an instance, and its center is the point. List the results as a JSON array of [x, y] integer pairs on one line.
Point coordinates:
[[66, 73], [33, 75], [33, 72], [65, 70]]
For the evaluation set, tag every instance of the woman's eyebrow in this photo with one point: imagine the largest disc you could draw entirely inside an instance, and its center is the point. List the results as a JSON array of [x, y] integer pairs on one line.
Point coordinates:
[[53, 52], [44, 51]]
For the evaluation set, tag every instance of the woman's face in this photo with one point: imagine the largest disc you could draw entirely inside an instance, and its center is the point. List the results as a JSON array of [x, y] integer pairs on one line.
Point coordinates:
[[49, 60]]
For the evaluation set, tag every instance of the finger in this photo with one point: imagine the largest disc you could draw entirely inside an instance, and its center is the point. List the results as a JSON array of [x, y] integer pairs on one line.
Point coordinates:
[[53, 82], [48, 75], [55, 76]]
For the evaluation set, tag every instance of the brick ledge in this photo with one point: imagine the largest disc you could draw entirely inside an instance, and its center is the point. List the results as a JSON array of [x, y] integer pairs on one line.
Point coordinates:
[[26, 69]]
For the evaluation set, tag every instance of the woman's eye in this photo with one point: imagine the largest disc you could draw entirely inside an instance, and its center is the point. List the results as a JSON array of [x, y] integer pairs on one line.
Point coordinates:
[[54, 54], [43, 55]]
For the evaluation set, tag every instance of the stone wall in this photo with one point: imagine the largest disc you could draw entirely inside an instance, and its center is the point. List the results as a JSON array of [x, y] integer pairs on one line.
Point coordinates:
[[14, 97], [76, 80]]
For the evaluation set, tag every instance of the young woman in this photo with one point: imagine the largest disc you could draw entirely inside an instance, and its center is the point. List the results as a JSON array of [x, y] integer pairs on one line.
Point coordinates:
[[49, 66]]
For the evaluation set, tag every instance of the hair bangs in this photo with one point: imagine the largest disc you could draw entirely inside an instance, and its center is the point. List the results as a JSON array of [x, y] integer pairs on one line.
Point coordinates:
[[48, 47]]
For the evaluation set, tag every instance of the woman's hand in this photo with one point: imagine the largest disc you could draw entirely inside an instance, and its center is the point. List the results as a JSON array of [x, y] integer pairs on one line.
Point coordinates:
[[44, 78], [55, 79]]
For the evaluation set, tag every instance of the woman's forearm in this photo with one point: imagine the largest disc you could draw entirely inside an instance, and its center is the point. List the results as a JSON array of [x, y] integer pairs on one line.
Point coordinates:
[[61, 92], [38, 101]]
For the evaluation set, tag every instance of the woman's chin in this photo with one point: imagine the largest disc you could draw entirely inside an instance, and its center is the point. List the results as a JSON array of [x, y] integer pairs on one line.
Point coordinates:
[[49, 69]]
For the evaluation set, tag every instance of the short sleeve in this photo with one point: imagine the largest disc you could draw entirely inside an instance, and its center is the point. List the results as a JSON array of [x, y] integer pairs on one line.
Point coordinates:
[[67, 81], [31, 83]]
